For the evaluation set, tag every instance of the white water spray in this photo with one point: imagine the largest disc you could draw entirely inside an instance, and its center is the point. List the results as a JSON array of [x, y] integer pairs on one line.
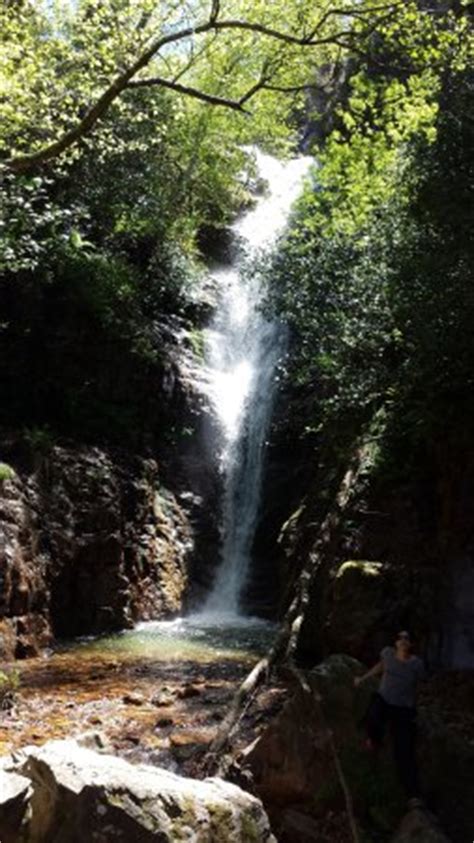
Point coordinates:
[[242, 352]]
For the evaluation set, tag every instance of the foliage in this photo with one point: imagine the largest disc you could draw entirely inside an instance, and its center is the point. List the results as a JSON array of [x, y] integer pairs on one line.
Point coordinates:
[[124, 132], [40, 440], [374, 274], [197, 342], [6, 472], [9, 684]]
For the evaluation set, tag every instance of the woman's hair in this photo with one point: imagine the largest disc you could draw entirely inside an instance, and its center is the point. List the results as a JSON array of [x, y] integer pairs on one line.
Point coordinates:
[[404, 633]]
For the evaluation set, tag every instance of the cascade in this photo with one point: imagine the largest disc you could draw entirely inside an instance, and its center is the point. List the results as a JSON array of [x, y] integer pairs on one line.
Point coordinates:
[[242, 350]]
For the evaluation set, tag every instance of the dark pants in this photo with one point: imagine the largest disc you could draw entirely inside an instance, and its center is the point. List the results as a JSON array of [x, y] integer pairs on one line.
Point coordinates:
[[403, 728]]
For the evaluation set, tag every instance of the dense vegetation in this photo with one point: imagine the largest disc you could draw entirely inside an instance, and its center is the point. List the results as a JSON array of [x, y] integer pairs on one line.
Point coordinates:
[[123, 137], [376, 272]]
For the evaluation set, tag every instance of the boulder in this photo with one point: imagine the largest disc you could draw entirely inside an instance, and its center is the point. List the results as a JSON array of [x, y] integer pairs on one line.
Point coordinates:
[[187, 742], [419, 826], [15, 792], [360, 597], [81, 795], [292, 758], [293, 763], [446, 758]]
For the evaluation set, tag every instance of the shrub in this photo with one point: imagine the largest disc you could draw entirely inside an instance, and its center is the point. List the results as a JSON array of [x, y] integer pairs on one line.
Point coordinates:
[[6, 472], [9, 684]]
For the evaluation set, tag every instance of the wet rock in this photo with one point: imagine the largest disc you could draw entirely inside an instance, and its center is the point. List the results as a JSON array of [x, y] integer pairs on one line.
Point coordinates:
[[188, 691], [299, 828], [162, 698], [184, 744], [81, 795], [24, 627], [163, 722], [419, 826], [134, 698], [89, 545]]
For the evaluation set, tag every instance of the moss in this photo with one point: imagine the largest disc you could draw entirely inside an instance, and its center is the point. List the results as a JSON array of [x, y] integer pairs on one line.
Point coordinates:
[[6, 472], [368, 569], [250, 829], [221, 824], [197, 342]]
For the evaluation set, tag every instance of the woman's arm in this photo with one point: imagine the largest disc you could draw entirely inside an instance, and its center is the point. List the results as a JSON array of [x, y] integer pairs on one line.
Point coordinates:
[[374, 671]]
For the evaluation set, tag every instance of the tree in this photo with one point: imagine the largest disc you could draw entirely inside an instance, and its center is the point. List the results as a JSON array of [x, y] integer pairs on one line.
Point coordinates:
[[64, 67]]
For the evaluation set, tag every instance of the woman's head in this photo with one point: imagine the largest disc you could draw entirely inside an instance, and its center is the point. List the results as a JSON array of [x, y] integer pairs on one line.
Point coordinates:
[[403, 641]]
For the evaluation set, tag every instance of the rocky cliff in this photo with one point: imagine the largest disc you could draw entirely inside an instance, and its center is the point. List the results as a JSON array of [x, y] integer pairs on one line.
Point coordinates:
[[402, 554], [91, 541], [94, 537]]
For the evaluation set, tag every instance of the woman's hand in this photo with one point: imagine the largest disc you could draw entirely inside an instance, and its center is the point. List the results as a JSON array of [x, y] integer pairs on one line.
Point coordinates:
[[357, 681]]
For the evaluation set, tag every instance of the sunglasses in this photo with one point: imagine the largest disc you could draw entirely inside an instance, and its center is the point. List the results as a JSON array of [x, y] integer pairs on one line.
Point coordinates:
[[404, 636]]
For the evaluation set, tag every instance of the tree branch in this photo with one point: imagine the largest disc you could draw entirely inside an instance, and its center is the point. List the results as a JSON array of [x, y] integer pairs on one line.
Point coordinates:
[[26, 163], [236, 105]]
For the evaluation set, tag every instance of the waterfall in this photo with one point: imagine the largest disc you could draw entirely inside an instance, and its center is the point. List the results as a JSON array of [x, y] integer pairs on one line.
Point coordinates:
[[242, 349]]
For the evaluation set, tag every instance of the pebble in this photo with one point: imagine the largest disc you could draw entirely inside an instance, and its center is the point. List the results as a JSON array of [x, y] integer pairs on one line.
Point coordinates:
[[188, 691], [133, 698], [162, 722]]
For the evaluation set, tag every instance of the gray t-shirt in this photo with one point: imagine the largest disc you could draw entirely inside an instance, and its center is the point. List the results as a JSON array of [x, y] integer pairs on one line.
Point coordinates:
[[398, 684]]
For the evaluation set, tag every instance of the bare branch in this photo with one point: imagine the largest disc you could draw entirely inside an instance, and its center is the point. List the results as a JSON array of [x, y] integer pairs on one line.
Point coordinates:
[[265, 75], [195, 56], [236, 105], [291, 89], [215, 10]]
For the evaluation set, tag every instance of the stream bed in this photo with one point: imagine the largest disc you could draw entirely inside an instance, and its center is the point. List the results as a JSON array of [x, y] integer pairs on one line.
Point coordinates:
[[154, 694]]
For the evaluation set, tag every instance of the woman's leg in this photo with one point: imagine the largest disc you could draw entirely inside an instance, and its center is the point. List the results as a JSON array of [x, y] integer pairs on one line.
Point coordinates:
[[404, 746], [376, 720]]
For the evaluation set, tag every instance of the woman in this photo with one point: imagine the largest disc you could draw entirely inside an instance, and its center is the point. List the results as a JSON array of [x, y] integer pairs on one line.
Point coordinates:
[[394, 703]]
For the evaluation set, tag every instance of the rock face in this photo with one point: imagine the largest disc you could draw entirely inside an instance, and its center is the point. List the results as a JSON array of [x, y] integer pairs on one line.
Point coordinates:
[[93, 538], [24, 598], [419, 825], [89, 541], [410, 513], [80, 795], [363, 598]]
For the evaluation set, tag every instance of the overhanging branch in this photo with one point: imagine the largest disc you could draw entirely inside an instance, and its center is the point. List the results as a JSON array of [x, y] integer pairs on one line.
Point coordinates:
[[158, 81], [126, 78]]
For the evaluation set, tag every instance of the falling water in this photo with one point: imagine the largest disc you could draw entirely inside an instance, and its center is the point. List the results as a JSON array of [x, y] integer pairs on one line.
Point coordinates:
[[242, 351]]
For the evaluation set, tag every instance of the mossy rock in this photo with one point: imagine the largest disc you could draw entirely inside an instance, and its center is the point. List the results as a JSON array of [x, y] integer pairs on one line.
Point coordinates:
[[362, 597]]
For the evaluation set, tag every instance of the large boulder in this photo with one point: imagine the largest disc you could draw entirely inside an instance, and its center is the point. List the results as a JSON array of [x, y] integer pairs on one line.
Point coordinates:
[[297, 758], [446, 755], [363, 603], [292, 760], [15, 793], [419, 826], [80, 795]]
